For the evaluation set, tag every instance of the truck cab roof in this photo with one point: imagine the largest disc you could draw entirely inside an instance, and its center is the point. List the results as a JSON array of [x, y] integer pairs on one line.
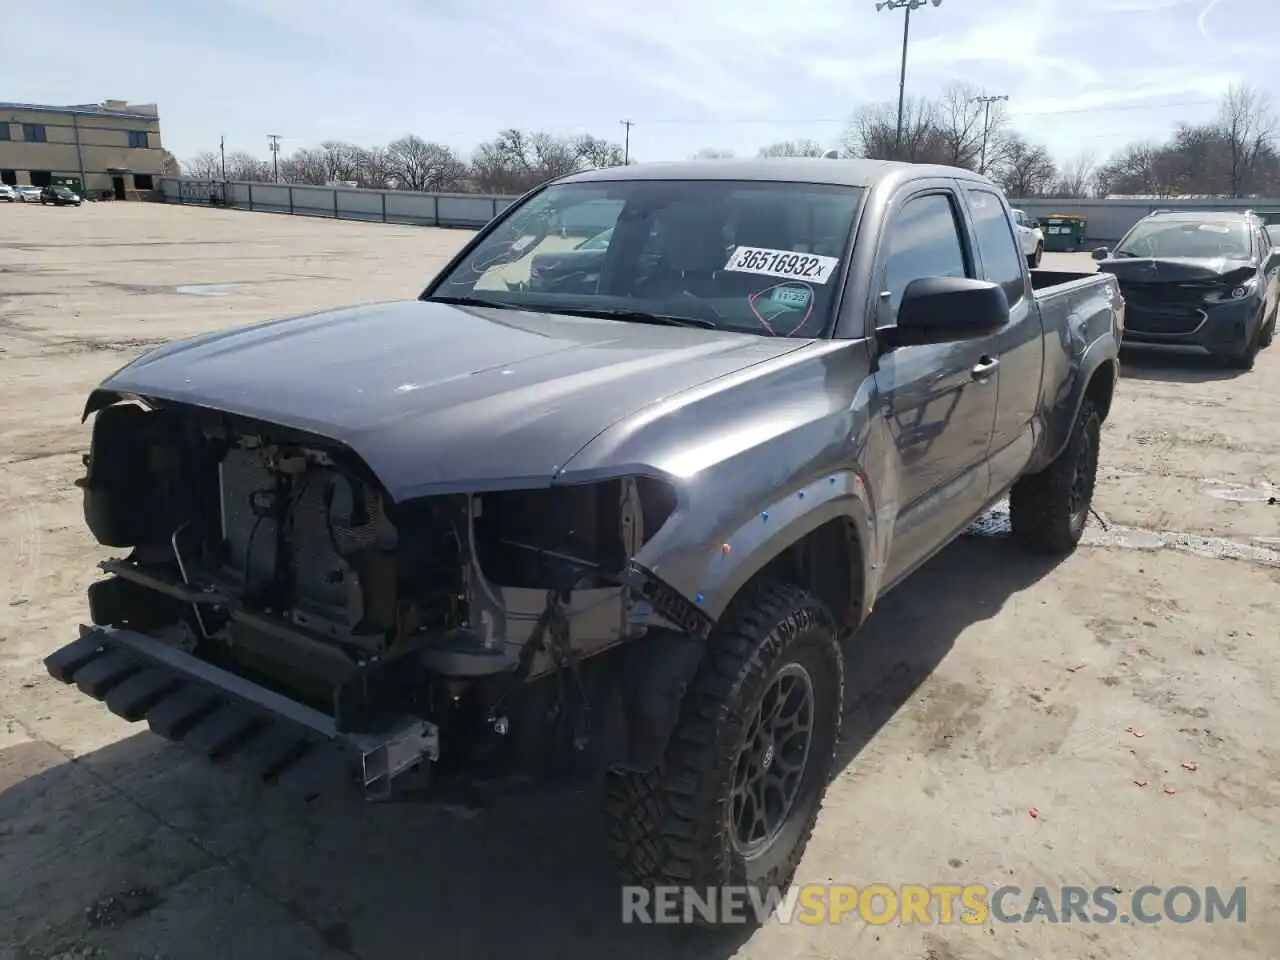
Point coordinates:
[[818, 170]]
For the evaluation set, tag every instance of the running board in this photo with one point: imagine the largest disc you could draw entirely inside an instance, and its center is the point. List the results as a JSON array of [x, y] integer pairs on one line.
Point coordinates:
[[225, 717]]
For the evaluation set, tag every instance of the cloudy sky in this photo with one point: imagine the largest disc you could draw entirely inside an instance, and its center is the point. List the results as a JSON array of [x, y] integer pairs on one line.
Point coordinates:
[[1081, 75]]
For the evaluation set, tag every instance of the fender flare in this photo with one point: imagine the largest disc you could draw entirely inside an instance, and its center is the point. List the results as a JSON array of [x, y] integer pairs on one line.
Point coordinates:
[[1062, 416], [780, 524]]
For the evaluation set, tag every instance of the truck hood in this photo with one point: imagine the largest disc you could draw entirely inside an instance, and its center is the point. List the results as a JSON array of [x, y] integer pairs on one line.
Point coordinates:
[[438, 398], [1175, 269]]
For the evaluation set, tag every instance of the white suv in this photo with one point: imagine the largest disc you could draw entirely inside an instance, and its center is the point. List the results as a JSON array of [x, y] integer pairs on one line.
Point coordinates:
[[6, 193], [1030, 236]]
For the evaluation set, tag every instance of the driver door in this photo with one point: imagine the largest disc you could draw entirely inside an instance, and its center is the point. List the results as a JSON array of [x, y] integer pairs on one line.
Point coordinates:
[[940, 399]]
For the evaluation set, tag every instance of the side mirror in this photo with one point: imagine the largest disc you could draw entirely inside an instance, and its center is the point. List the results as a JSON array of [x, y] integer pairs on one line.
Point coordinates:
[[945, 310], [1101, 253]]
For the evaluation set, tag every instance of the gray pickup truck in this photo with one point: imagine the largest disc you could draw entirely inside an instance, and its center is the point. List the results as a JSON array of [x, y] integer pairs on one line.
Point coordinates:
[[592, 507]]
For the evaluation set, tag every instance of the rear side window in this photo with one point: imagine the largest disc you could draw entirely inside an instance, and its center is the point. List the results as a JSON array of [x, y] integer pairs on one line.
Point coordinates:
[[1001, 258], [924, 241]]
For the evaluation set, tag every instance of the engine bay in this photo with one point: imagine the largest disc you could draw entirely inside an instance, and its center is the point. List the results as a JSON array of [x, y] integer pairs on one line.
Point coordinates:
[[277, 555]]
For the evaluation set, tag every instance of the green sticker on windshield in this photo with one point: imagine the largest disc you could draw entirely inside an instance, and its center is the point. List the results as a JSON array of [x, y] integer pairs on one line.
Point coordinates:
[[792, 296]]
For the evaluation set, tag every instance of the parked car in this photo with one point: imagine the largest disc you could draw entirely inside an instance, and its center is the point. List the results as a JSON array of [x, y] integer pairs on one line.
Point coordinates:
[[1030, 236], [60, 196], [1198, 279], [26, 194], [7, 194], [506, 536]]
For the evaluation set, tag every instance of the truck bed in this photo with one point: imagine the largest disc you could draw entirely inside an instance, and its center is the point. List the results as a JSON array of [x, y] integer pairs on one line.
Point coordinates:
[[1046, 281]]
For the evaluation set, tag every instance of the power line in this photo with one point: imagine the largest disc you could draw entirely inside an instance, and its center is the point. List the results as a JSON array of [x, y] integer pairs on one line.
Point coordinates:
[[730, 121]]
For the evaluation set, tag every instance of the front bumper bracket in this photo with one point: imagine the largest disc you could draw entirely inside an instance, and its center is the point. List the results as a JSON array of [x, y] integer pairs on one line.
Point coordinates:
[[226, 717]]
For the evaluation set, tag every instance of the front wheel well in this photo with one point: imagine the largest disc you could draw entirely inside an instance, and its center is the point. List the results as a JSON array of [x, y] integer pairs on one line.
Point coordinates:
[[828, 562], [1101, 388]]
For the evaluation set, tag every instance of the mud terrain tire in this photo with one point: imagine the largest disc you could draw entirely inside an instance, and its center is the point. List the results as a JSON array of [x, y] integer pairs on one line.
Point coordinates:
[[1048, 510], [683, 824]]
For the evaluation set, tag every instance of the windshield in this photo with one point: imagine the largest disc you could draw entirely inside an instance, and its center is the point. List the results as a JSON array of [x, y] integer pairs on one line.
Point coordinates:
[[1187, 238], [746, 256]]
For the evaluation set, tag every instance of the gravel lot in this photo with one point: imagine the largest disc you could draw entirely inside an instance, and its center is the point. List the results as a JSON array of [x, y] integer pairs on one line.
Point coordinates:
[[984, 687]]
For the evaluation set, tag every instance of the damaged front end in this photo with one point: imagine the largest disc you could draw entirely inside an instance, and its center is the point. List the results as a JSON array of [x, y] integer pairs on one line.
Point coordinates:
[[277, 605]]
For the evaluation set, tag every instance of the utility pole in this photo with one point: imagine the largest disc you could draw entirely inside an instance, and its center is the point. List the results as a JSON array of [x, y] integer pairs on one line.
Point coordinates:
[[275, 154], [986, 125], [908, 6], [626, 143], [222, 149]]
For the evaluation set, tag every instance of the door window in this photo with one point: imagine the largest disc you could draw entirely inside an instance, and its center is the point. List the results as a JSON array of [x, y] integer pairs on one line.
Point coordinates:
[[1001, 258], [924, 241]]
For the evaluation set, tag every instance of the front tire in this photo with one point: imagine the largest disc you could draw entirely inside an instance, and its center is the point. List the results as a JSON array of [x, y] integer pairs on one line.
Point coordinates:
[[1269, 328], [747, 767], [1048, 510], [1245, 361], [1035, 258]]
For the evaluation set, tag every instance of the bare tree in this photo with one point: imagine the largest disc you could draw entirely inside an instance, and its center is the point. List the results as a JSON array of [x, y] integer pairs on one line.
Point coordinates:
[[374, 169], [595, 152], [971, 131], [205, 165], [1026, 170], [341, 160], [1249, 128], [1134, 170], [1076, 177], [873, 131], [711, 153], [306, 166], [243, 166], [418, 165], [793, 148], [516, 160], [169, 166]]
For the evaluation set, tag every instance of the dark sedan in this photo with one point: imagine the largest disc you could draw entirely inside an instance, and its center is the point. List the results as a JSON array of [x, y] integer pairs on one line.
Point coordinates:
[[1200, 279]]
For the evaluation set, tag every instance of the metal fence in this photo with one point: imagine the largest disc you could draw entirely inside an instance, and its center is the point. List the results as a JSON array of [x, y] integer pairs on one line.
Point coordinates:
[[341, 203], [1108, 220]]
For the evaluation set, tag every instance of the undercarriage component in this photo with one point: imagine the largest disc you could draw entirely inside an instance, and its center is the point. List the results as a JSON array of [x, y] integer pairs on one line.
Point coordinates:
[[226, 717]]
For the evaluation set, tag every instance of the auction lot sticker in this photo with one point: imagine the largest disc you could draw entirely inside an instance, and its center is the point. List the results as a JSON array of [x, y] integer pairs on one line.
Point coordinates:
[[782, 263]]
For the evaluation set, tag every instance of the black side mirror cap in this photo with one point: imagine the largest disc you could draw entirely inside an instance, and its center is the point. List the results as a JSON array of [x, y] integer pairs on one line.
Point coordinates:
[[946, 310], [1101, 253]]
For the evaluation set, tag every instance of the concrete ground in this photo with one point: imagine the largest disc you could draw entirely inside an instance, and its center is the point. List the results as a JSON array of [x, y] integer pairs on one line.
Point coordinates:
[[984, 687]]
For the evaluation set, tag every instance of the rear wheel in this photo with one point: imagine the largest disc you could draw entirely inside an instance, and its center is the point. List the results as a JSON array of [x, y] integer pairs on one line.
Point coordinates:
[[747, 768], [1035, 258], [1048, 510]]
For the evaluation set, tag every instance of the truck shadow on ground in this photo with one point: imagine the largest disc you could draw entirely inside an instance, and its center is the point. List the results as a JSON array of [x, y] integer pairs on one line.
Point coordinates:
[[1166, 368], [528, 878]]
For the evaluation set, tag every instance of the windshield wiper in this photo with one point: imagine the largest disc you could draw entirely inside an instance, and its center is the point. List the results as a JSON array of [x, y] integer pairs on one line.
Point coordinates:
[[637, 316], [1123, 253], [474, 302]]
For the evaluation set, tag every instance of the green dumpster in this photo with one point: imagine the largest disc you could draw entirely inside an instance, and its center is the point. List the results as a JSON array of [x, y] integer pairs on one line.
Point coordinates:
[[1064, 232]]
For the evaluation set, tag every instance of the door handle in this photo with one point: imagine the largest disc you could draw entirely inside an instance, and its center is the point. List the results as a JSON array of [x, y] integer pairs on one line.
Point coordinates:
[[984, 368]]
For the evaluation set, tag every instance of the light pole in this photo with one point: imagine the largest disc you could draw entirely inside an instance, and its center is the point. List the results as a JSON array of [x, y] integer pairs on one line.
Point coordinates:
[[986, 126], [908, 6]]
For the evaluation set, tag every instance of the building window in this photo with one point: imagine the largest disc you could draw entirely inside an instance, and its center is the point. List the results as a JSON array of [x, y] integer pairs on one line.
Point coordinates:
[[9, 177], [138, 138], [33, 132], [142, 181], [4, 129], [41, 178]]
